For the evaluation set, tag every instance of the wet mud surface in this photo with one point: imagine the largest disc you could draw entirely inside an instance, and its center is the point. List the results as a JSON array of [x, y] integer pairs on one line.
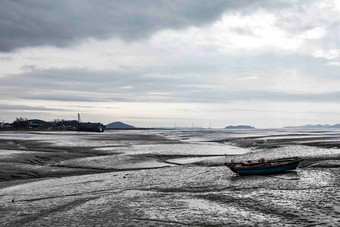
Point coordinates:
[[166, 178]]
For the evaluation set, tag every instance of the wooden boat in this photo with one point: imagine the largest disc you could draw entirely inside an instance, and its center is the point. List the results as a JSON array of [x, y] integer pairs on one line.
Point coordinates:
[[264, 167]]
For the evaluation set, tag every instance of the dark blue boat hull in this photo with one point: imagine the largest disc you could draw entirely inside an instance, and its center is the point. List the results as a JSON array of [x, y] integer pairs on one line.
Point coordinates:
[[269, 170]]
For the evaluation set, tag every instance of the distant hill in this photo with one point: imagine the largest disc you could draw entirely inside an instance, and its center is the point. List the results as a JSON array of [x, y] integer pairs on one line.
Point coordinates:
[[239, 127], [119, 125], [337, 126]]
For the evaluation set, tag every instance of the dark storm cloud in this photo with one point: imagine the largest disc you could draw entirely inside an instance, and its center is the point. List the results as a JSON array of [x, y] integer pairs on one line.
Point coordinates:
[[25, 23]]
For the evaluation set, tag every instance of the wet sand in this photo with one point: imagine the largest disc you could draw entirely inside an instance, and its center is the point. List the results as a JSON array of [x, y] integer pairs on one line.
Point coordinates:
[[166, 178]]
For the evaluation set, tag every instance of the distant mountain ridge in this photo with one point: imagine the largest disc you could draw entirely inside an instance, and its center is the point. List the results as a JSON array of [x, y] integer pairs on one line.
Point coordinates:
[[318, 126], [119, 125], [239, 127]]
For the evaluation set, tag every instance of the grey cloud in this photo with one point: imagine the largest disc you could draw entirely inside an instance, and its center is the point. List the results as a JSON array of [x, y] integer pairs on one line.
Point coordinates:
[[206, 95], [243, 31], [28, 67], [303, 18], [253, 95], [65, 97], [184, 80], [3, 58], [25, 23], [25, 107], [158, 89], [82, 80]]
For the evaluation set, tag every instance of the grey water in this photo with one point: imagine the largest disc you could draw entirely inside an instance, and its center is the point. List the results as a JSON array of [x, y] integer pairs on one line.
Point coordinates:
[[166, 178]]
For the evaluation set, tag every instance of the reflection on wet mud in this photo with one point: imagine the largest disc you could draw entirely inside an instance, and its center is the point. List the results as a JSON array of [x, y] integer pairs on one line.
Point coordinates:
[[150, 178]]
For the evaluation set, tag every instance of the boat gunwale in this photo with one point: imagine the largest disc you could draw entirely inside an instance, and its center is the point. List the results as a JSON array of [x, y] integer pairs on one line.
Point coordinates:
[[270, 164]]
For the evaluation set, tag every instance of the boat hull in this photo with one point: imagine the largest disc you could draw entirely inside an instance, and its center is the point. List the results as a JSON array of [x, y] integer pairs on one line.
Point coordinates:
[[268, 167], [269, 170]]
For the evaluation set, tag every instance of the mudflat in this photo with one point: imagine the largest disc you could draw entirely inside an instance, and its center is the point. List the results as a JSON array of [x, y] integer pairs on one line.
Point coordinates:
[[167, 178]]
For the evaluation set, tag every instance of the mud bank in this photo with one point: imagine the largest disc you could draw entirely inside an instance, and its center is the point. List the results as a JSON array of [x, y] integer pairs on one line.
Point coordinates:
[[166, 178], [44, 154]]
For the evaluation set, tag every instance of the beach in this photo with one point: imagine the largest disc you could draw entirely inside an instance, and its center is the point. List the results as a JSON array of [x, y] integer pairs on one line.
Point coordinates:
[[166, 178]]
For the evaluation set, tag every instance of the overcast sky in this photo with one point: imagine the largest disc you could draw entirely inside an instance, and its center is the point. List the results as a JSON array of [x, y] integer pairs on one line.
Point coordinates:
[[155, 63]]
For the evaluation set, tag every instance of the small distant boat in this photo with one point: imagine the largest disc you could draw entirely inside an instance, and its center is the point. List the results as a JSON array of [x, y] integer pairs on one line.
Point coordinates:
[[263, 166]]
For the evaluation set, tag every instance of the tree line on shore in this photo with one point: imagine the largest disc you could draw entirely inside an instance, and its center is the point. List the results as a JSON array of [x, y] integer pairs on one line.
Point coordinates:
[[57, 124]]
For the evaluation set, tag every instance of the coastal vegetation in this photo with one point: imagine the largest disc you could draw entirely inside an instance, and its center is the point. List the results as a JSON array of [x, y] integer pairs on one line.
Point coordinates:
[[62, 125]]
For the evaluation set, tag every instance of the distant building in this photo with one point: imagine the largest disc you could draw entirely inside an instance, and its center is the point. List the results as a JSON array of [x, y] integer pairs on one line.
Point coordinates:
[[91, 127], [35, 123], [7, 125], [80, 126], [69, 125]]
